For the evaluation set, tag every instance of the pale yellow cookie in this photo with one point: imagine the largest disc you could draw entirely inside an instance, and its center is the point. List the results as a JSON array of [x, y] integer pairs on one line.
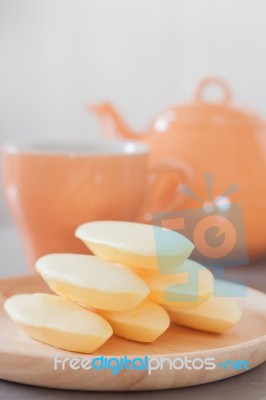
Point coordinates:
[[187, 288], [136, 245], [92, 282], [58, 322], [145, 323], [217, 314]]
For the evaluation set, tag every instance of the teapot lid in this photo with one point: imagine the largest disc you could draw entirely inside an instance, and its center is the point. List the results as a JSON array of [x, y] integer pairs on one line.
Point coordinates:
[[209, 114]]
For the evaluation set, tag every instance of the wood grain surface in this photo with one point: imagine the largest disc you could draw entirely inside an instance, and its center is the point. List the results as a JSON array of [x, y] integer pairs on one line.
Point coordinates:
[[25, 360]]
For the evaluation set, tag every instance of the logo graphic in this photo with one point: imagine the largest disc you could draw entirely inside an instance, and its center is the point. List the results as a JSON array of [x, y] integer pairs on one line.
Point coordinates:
[[215, 227]]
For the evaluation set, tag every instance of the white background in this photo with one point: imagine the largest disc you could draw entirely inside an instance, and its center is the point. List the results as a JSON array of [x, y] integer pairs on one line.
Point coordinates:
[[143, 55]]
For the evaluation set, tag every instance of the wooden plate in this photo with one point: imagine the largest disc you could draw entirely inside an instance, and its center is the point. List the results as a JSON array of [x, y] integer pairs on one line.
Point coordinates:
[[25, 360]]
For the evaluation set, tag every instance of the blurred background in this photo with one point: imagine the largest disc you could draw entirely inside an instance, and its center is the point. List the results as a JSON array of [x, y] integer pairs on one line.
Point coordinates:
[[143, 55]]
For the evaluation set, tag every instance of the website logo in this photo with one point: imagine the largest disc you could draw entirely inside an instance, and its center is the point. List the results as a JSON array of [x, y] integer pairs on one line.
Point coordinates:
[[150, 364], [217, 230]]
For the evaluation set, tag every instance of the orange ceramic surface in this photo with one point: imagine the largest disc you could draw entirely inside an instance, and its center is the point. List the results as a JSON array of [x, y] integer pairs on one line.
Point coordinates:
[[212, 138], [51, 189]]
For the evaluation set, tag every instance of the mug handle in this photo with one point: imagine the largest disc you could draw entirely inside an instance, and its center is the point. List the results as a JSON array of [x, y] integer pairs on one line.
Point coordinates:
[[156, 174]]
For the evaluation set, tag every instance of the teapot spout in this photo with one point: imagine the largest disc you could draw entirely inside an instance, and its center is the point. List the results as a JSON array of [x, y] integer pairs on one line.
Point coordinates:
[[112, 124]]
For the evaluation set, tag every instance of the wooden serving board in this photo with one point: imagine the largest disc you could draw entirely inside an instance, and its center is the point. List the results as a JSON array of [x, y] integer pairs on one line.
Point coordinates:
[[27, 361]]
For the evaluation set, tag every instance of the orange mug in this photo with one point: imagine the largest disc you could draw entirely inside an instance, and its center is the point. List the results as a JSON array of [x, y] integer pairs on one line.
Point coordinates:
[[52, 188]]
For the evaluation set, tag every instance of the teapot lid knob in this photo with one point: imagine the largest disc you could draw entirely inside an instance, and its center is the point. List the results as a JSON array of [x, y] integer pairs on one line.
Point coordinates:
[[203, 85]]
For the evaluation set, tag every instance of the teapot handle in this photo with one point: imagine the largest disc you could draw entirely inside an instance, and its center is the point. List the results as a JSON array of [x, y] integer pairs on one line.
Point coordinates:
[[227, 94]]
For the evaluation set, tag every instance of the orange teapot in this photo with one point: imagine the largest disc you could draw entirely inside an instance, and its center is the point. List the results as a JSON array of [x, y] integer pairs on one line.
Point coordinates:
[[214, 138]]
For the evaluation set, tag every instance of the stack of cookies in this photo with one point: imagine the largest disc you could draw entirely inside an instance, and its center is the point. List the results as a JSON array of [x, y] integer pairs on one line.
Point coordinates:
[[138, 280]]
